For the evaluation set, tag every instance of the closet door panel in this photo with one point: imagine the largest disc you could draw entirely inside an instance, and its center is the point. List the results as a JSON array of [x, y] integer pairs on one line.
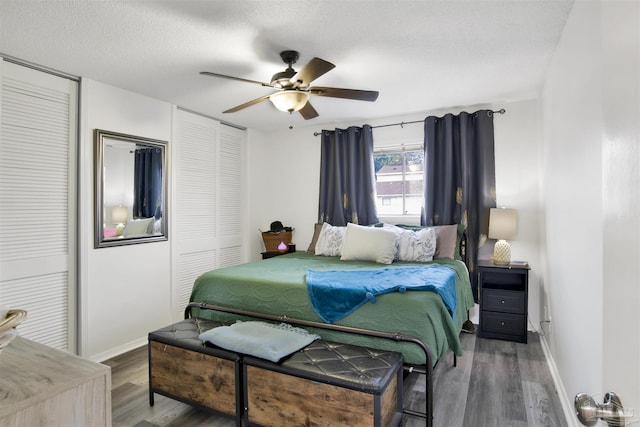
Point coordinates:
[[195, 199], [37, 202], [230, 212], [207, 197]]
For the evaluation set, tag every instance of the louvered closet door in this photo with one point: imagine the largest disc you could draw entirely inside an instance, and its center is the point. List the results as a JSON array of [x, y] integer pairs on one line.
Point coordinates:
[[230, 212], [206, 199], [37, 202]]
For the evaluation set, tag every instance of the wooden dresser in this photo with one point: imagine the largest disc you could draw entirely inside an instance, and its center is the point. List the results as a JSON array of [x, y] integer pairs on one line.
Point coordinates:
[[42, 386]]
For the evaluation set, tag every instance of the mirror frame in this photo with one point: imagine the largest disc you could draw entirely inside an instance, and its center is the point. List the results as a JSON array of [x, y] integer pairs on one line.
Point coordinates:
[[100, 139]]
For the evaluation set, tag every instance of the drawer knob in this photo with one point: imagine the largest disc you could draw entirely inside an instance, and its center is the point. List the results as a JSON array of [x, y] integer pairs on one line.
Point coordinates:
[[502, 301], [502, 323]]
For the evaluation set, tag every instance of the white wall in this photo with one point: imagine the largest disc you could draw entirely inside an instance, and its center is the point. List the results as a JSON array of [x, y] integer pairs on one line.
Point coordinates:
[[621, 200], [124, 291], [119, 166], [591, 187], [517, 157], [284, 179], [259, 196]]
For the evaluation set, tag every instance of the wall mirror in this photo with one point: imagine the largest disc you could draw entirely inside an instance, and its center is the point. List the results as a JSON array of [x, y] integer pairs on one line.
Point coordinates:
[[130, 189]]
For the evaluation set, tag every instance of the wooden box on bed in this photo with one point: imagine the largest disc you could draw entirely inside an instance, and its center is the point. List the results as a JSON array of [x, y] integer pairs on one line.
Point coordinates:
[[185, 369], [325, 384]]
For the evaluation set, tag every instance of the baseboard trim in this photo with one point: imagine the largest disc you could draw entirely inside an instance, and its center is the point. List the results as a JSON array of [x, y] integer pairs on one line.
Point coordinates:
[[117, 351], [565, 400]]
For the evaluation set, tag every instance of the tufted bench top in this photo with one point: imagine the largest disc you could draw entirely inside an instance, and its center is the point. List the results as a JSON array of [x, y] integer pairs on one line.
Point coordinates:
[[185, 334], [357, 368]]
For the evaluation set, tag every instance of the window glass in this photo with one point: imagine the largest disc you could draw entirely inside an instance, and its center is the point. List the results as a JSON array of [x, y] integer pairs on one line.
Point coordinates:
[[399, 181]]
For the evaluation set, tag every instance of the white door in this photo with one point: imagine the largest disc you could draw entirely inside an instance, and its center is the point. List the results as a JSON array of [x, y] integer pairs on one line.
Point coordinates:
[[207, 200], [38, 116]]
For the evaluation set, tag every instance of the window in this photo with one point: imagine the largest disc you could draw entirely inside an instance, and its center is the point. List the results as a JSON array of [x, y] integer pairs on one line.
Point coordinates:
[[399, 181]]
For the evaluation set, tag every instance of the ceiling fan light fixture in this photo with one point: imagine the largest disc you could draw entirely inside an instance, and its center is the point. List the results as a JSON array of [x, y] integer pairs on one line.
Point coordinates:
[[289, 100]]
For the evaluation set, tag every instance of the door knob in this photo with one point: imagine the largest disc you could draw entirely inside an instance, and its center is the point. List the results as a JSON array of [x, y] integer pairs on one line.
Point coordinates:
[[610, 411]]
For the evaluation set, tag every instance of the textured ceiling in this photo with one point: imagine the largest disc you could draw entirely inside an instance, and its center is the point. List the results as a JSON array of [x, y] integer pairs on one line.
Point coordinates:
[[420, 55]]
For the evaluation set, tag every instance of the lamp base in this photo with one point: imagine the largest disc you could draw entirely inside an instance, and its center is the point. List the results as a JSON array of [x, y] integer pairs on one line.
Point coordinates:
[[502, 253]]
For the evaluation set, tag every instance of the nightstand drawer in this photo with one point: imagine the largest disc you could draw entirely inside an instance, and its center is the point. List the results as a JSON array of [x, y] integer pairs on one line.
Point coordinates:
[[503, 323], [503, 301]]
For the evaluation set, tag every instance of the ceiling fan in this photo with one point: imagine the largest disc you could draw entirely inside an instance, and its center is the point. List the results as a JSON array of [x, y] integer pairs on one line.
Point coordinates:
[[294, 90]]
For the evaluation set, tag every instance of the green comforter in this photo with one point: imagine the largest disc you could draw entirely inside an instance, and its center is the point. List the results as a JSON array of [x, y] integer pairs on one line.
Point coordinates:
[[277, 286]]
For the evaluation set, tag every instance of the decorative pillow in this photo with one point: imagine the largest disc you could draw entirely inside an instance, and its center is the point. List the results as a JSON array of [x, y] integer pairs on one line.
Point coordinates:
[[314, 240], [155, 227], [368, 244], [417, 245], [108, 232], [330, 240], [460, 236], [446, 240], [137, 227], [445, 246]]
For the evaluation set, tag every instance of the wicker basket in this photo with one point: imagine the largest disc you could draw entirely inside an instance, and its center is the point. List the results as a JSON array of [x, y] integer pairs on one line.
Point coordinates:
[[8, 325], [272, 240]]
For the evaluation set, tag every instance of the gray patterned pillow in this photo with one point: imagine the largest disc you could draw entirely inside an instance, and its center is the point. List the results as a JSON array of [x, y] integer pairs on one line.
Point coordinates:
[[330, 240], [415, 246]]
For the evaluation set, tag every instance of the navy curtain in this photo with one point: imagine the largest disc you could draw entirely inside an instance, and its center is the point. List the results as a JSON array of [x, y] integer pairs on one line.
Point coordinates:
[[459, 178], [347, 177], [147, 183]]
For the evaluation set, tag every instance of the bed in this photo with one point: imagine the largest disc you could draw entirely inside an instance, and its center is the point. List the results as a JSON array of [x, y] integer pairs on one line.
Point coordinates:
[[277, 286]]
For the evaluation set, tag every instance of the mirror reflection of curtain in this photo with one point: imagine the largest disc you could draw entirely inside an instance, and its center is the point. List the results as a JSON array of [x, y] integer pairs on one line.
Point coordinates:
[[459, 176], [147, 183], [347, 177]]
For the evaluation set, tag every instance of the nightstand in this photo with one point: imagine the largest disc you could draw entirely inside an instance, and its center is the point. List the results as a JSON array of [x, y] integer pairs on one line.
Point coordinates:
[[503, 301], [267, 255]]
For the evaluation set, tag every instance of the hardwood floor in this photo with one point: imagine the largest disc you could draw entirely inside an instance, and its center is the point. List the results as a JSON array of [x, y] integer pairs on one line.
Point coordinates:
[[495, 383]]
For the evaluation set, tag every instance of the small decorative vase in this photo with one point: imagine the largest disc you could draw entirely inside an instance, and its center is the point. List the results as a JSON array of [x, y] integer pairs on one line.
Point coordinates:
[[8, 324]]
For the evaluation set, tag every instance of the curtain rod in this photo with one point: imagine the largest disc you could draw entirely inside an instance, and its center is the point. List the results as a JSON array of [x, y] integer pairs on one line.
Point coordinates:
[[401, 124]]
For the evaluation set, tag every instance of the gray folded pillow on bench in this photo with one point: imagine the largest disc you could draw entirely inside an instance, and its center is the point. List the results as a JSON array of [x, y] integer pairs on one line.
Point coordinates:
[[260, 339]]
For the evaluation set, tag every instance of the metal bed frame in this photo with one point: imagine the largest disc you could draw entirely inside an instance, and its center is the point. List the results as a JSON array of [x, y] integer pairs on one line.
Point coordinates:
[[426, 369]]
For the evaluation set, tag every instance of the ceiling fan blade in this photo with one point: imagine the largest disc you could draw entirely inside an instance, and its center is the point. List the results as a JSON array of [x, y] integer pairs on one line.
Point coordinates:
[[247, 104], [312, 70], [308, 112], [207, 73], [334, 92]]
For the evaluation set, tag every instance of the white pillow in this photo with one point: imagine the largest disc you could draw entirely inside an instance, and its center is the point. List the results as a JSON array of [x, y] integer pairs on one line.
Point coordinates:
[[368, 244], [415, 246], [137, 227], [156, 227], [330, 240]]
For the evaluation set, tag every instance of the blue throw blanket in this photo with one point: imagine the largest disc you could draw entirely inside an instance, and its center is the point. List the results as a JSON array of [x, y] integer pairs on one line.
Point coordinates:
[[336, 294]]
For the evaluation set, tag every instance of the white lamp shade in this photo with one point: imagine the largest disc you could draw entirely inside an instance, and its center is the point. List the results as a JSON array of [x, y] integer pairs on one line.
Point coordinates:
[[119, 214], [503, 223], [289, 100]]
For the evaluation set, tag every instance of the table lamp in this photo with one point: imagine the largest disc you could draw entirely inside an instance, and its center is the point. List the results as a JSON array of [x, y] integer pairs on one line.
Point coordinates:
[[119, 217], [502, 226]]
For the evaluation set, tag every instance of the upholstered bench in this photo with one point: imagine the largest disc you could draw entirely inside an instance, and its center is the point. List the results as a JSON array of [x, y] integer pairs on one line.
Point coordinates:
[[325, 384], [185, 369]]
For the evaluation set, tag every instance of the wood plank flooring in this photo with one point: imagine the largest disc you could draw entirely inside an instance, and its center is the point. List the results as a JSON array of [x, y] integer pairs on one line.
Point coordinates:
[[495, 383]]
